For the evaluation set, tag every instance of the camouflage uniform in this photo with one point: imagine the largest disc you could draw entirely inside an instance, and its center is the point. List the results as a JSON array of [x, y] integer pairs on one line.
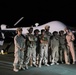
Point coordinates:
[[31, 48], [55, 48], [18, 53], [43, 50], [63, 51], [36, 34], [48, 34]]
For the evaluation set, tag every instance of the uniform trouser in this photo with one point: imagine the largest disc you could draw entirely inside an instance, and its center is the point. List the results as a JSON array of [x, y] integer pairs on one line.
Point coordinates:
[[71, 49], [43, 53], [55, 54], [49, 55], [37, 53], [61, 55], [19, 58], [62, 49], [31, 53]]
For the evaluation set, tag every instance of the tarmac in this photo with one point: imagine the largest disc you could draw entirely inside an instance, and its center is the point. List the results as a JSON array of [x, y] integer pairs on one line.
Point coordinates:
[[6, 66]]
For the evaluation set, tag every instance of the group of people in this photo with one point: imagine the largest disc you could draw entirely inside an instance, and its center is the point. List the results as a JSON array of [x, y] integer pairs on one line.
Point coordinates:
[[42, 47]]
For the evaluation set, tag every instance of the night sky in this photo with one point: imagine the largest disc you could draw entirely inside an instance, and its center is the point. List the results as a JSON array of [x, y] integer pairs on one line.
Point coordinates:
[[38, 11]]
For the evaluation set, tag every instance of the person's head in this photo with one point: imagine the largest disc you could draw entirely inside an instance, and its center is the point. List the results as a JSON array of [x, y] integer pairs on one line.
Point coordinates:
[[36, 31], [43, 32], [47, 28], [61, 32], [55, 33], [19, 31], [66, 30], [30, 30]]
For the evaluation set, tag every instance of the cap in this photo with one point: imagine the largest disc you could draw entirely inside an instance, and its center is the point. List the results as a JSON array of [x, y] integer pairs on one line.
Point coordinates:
[[30, 28], [36, 30], [55, 32], [19, 29], [46, 27], [61, 31], [42, 30]]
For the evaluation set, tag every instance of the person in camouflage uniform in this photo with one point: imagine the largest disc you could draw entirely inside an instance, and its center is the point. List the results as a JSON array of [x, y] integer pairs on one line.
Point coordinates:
[[63, 51], [36, 34], [43, 48], [48, 34], [31, 48], [19, 43], [55, 48]]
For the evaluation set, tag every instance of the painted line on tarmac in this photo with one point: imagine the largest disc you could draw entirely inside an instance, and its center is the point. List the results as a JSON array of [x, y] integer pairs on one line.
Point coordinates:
[[5, 62]]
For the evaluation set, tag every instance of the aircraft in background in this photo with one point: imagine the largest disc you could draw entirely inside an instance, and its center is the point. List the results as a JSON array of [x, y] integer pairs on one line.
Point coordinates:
[[54, 26], [7, 34]]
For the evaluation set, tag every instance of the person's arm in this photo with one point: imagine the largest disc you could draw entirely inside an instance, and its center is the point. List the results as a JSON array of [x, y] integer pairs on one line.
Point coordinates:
[[43, 41], [16, 42], [23, 48], [73, 37], [51, 45], [66, 39]]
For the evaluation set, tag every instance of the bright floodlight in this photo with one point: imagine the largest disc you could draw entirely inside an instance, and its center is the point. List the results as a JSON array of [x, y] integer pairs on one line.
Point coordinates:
[[36, 24]]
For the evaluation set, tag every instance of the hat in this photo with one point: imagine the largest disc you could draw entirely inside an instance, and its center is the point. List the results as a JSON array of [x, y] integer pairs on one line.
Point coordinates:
[[43, 30], [61, 31], [46, 27], [36, 30], [55, 32], [30, 28], [19, 29]]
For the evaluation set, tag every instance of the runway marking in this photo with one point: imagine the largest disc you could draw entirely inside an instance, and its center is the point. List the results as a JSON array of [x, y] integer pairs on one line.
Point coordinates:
[[5, 62]]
